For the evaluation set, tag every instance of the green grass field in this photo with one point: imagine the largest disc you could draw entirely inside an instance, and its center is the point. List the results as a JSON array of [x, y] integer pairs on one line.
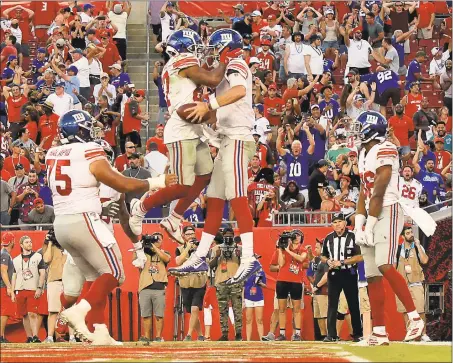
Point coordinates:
[[227, 352]]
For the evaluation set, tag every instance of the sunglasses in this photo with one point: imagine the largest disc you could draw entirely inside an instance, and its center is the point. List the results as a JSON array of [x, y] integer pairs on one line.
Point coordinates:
[[130, 147]]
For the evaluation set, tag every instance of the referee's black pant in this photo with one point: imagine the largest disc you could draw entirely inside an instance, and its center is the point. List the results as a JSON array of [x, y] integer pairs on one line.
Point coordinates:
[[339, 280]]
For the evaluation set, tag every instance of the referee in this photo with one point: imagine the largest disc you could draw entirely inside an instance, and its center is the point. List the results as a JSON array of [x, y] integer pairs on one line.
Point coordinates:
[[341, 253]]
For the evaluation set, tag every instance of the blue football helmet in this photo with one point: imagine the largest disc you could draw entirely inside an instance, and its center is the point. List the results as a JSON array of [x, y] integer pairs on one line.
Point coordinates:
[[371, 125], [184, 41], [77, 126], [223, 38]]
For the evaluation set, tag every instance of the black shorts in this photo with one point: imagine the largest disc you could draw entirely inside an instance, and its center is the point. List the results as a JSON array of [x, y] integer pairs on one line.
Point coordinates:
[[390, 93], [134, 137], [193, 297], [285, 288], [157, 28]]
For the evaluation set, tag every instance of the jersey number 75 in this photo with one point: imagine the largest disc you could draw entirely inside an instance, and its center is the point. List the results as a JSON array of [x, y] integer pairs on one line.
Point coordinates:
[[65, 179]]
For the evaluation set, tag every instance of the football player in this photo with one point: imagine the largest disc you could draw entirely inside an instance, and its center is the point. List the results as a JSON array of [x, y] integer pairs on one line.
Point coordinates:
[[74, 171], [235, 118], [183, 79], [378, 206]]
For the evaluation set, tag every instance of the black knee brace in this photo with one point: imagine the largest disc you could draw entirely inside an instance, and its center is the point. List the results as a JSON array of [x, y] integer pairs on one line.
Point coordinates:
[[340, 316]]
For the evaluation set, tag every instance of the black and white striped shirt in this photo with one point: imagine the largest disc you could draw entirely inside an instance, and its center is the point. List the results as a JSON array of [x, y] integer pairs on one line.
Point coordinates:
[[340, 248]]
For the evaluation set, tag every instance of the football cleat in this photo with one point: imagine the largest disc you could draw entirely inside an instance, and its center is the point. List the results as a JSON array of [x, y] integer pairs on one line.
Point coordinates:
[[425, 338], [194, 264], [75, 317], [173, 228], [414, 329], [137, 216], [375, 340], [246, 269], [268, 338], [101, 336]]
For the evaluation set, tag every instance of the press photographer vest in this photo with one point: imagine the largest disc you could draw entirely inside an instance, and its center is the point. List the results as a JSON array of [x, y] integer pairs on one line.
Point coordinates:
[[225, 268], [149, 274], [195, 280], [55, 270], [413, 273]]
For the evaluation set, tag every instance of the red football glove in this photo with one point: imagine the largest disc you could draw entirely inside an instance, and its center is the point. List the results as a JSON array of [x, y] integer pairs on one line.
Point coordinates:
[[227, 54]]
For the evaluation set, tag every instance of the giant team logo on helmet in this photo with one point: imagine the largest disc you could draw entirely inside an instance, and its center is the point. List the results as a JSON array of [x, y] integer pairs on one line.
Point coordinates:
[[184, 41], [78, 126], [371, 125], [223, 38]]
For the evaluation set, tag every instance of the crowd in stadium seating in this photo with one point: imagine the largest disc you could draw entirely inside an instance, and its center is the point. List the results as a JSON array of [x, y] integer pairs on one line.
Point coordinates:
[[314, 63]]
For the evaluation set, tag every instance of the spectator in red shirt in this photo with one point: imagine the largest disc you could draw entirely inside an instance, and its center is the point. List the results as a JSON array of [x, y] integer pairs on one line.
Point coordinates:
[[45, 13], [159, 140], [24, 17], [254, 168], [443, 158], [16, 158], [403, 128], [257, 25], [9, 49], [122, 161], [293, 92], [426, 14], [133, 117], [111, 55], [267, 58], [48, 125], [15, 101], [4, 174], [273, 106]]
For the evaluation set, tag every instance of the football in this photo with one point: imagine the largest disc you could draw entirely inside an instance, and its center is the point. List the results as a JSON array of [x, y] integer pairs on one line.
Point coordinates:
[[183, 113]]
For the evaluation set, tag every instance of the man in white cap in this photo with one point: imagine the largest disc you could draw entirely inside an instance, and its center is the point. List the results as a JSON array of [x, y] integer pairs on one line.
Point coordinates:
[[118, 17], [61, 100], [258, 24], [437, 64], [104, 88], [83, 74]]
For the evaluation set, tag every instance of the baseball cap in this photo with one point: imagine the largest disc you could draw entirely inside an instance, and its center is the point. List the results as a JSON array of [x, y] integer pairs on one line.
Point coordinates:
[[322, 162], [18, 166], [87, 6], [73, 69], [76, 51], [60, 42], [357, 29], [340, 133], [345, 177], [42, 50], [254, 60], [188, 228], [7, 238], [352, 72], [338, 217], [104, 75], [435, 50], [256, 13], [352, 153], [38, 201], [11, 58], [118, 9], [239, 7], [247, 36], [358, 97], [329, 11], [134, 156], [60, 84], [170, 4], [160, 126], [115, 66], [314, 106], [266, 42], [272, 85], [439, 139], [272, 17], [140, 92]]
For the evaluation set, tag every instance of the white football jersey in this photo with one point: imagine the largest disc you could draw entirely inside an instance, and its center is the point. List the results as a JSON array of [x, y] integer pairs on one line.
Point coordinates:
[[381, 154], [236, 120], [107, 193], [410, 192], [74, 188], [180, 91]]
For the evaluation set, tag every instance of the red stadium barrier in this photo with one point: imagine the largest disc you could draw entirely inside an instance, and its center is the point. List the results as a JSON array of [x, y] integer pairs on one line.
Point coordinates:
[[265, 239]]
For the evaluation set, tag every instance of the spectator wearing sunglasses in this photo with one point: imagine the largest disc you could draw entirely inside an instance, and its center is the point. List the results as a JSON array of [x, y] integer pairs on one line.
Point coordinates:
[[133, 117], [122, 161]]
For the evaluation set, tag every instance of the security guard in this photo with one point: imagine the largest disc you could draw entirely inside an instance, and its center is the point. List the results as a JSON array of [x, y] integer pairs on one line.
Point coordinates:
[[225, 260], [341, 254], [193, 285], [152, 284]]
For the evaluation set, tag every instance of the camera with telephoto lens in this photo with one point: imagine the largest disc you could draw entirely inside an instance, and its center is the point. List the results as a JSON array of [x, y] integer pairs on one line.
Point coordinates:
[[228, 247], [284, 240], [50, 237], [195, 242], [148, 240]]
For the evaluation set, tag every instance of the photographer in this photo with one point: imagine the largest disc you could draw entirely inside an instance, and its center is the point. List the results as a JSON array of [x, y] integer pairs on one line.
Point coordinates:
[[289, 256], [193, 285], [54, 257], [225, 260], [109, 119], [152, 284], [341, 253]]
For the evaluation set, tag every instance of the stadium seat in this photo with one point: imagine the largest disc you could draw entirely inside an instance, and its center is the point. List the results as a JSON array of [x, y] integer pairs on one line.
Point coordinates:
[[441, 7], [428, 44], [337, 88], [426, 87]]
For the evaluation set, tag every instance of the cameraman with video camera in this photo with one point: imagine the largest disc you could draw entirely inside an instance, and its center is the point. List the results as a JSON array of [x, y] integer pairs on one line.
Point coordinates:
[[55, 259], [152, 284], [289, 256], [193, 285], [225, 260]]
